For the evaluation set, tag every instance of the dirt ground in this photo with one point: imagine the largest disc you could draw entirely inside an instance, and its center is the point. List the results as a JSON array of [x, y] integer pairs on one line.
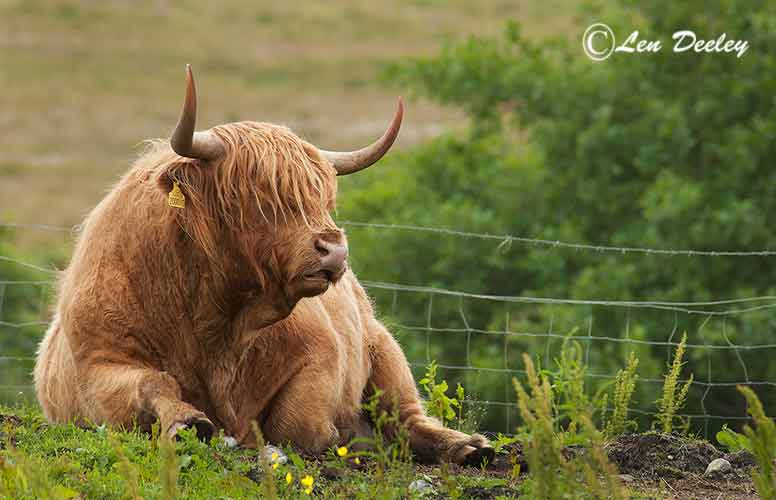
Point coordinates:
[[651, 465], [669, 466]]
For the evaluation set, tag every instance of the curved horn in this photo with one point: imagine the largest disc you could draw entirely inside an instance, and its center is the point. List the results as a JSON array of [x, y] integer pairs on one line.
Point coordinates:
[[353, 161], [186, 142]]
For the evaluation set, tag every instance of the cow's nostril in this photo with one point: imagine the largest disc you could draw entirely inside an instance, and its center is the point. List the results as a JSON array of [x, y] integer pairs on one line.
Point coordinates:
[[322, 247]]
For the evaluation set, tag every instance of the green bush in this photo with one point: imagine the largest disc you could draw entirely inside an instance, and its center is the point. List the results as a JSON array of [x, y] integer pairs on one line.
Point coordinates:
[[660, 151]]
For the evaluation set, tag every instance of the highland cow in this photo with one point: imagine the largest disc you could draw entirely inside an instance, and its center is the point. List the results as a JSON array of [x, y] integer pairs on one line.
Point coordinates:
[[210, 289]]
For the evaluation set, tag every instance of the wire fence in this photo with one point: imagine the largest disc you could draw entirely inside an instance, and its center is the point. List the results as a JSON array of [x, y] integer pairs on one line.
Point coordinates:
[[488, 355]]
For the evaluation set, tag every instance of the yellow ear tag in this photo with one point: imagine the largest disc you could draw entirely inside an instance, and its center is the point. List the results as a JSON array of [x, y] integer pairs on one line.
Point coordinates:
[[175, 197]]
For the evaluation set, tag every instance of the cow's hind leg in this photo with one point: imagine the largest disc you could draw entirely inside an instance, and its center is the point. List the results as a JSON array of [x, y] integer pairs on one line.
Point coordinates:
[[124, 394], [429, 440]]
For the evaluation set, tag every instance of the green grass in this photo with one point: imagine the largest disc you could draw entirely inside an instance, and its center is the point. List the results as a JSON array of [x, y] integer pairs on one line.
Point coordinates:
[[40, 460], [102, 463]]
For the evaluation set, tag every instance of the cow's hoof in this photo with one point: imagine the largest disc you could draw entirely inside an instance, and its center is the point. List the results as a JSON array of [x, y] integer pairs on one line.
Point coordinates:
[[474, 450], [204, 427], [480, 456]]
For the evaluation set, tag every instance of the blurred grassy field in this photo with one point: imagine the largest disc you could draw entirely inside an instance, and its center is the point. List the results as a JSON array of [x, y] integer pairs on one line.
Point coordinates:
[[82, 83]]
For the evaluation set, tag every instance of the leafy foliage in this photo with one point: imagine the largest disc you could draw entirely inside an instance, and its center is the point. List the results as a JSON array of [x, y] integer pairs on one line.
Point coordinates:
[[438, 403], [661, 151], [733, 440]]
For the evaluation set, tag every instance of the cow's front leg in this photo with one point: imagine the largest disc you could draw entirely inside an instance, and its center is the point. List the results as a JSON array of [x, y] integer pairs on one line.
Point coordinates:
[[126, 394], [430, 441], [301, 383], [303, 412], [232, 362]]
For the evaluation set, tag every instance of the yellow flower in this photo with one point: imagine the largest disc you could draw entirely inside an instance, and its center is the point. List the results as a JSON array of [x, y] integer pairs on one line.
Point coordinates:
[[289, 478], [307, 481], [358, 462], [275, 466], [274, 457], [308, 490], [342, 451]]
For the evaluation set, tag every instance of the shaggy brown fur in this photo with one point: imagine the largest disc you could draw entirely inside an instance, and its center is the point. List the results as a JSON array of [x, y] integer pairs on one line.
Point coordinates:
[[213, 315]]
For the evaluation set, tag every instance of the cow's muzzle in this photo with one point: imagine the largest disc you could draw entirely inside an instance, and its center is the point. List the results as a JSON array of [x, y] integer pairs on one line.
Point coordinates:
[[333, 258]]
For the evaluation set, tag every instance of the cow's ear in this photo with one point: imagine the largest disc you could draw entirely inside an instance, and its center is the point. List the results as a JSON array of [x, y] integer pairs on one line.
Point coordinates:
[[186, 172], [165, 183]]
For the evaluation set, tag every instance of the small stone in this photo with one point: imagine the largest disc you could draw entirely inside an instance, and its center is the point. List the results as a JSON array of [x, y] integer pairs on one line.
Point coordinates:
[[279, 457], [718, 466], [229, 442], [420, 486], [627, 478]]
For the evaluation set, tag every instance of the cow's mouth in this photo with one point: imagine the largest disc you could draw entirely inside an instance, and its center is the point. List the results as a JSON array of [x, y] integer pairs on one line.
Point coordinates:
[[321, 275]]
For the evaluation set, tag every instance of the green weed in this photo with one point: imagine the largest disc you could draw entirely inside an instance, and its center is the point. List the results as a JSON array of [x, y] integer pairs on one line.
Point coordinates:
[[732, 440], [438, 403], [762, 438], [624, 385], [674, 394], [551, 473]]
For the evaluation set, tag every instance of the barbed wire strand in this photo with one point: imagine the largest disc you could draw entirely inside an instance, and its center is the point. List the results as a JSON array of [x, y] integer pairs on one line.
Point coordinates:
[[562, 244], [505, 238]]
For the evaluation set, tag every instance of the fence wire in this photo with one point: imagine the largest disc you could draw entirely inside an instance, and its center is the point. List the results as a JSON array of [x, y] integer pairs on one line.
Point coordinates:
[[500, 343]]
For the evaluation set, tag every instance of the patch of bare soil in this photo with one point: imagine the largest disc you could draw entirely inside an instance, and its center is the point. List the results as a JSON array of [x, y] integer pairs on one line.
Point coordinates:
[[673, 467], [11, 420], [7, 421], [651, 465]]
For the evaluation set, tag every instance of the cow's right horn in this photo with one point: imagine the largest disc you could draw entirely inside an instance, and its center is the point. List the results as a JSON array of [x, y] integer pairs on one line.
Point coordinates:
[[185, 141], [352, 161]]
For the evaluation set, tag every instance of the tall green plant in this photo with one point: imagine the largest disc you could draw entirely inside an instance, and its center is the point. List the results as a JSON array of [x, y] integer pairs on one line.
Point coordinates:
[[624, 385], [552, 474], [762, 438], [544, 447], [569, 384], [674, 394], [169, 469]]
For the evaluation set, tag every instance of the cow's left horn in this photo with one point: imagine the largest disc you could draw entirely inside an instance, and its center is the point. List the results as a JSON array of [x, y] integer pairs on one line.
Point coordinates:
[[186, 142], [353, 161]]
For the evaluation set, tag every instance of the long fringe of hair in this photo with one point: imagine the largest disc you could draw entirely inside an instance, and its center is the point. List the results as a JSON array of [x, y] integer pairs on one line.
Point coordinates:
[[266, 174]]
